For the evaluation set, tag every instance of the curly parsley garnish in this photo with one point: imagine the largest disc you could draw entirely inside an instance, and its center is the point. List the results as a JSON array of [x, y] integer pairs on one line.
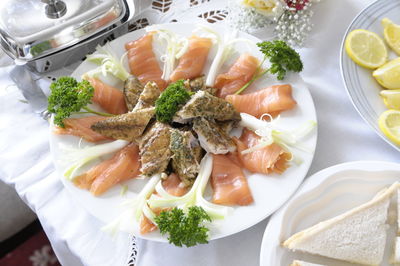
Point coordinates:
[[69, 96], [282, 57], [171, 100], [184, 229]]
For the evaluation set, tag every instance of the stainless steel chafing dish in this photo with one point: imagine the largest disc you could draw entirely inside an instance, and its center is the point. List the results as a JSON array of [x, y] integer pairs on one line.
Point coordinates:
[[49, 34]]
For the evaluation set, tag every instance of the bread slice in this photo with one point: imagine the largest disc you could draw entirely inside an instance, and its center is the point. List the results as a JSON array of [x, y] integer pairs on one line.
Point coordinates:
[[303, 263], [395, 260], [398, 211], [358, 235]]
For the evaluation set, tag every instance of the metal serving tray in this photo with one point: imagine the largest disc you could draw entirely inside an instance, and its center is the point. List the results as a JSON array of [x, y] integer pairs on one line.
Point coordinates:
[[49, 34]]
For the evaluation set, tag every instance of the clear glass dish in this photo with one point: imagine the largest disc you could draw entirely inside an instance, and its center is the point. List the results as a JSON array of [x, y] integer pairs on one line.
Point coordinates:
[[362, 88]]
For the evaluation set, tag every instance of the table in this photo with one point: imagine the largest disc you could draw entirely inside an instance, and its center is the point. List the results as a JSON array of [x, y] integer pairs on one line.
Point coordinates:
[[76, 236]]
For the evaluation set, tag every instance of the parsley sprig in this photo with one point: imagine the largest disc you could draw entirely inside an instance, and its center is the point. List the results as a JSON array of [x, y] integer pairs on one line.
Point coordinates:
[[184, 229], [69, 96], [171, 100], [282, 57]]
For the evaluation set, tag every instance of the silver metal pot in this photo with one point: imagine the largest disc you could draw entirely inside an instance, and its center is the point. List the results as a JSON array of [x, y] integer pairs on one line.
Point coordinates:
[[49, 34]]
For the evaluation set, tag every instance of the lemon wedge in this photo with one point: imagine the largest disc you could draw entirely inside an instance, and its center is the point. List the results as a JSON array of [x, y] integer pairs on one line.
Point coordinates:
[[391, 98], [366, 48], [388, 75], [391, 33], [389, 123]]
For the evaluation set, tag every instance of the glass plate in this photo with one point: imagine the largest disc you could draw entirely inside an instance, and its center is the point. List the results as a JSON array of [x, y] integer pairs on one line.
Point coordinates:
[[361, 86], [324, 195]]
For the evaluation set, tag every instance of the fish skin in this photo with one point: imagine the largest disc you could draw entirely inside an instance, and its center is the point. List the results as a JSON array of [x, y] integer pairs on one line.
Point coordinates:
[[132, 90], [154, 147], [80, 127], [241, 72], [271, 100], [211, 137], [196, 84], [184, 159], [129, 126], [228, 125], [203, 104], [229, 183], [143, 62], [148, 96], [192, 62], [110, 99], [199, 84]]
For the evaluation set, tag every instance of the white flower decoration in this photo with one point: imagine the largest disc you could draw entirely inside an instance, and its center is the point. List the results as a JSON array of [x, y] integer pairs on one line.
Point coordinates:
[[268, 8]]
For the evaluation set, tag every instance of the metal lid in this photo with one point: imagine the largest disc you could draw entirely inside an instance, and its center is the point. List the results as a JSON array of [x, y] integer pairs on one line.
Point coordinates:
[[30, 29]]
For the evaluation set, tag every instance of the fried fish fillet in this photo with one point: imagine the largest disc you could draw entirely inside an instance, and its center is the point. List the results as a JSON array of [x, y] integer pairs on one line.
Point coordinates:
[[185, 160], [213, 138], [132, 90], [148, 96], [154, 149], [203, 104], [199, 84], [129, 126]]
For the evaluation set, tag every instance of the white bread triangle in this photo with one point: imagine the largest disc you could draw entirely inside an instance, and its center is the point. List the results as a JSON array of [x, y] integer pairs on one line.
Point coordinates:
[[398, 211], [358, 235], [304, 263], [396, 252]]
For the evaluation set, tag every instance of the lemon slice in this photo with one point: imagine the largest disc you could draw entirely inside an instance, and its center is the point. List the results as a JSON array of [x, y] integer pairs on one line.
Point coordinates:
[[366, 48], [391, 33], [391, 98], [389, 123], [388, 75]]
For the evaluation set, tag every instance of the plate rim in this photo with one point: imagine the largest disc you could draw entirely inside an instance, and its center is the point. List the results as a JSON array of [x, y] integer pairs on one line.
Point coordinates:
[[263, 217], [342, 58], [324, 174]]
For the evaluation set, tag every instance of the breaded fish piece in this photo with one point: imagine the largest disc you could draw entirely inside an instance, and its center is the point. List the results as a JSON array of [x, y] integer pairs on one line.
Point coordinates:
[[154, 149], [203, 104], [213, 138], [199, 84], [129, 126], [132, 90], [148, 97], [185, 161], [227, 126]]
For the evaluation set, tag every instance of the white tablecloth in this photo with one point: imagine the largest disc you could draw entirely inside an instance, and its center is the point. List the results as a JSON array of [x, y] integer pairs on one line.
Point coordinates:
[[75, 235]]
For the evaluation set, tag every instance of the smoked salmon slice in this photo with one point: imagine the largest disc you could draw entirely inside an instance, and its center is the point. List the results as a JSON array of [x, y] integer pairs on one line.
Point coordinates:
[[173, 186], [272, 158], [146, 226], [143, 62], [241, 72], [109, 98], [192, 62], [80, 127], [271, 100], [122, 166], [229, 184]]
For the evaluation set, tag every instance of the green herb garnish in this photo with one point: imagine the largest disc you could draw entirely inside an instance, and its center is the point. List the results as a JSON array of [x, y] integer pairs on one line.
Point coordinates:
[[69, 96], [171, 100], [282, 57], [184, 229]]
